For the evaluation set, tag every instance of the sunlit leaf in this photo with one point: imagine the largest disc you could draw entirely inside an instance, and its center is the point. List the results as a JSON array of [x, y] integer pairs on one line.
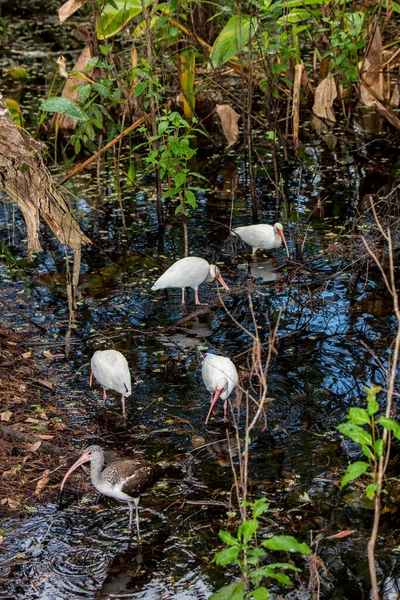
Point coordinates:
[[288, 543], [227, 538], [227, 556], [353, 471], [113, 18], [259, 507], [233, 38], [391, 425], [235, 591], [356, 433], [359, 416], [64, 106], [379, 447], [247, 529], [370, 490], [260, 593]]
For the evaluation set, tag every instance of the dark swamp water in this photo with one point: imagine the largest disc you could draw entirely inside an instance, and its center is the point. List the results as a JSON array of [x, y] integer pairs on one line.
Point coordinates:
[[331, 311]]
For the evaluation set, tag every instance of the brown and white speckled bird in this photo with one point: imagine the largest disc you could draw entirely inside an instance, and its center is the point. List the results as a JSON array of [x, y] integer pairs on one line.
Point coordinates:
[[110, 368], [123, 480]]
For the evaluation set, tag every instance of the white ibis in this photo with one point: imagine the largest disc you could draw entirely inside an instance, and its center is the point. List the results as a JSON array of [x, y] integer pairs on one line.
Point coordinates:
[[189, 272], [124, 480], [220, 378], [262, 237], [110, 369]]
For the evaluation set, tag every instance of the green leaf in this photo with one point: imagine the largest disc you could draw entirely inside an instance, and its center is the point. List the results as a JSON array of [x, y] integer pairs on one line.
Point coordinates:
[[359, 416], [296, 16], [370, 490], [368, 452], [179, 179], [190, 199], [113, 18], [227, 556], [235, 591], [391, 425], [372, 407], [233, 38], [356, 433], [247, 529], [260, 593], [84, 91], [259, 507], [64, 106], [268, 571], [139, 89], [379, 447], [353, 471], [101, 89], [287, 543], [227, 538]]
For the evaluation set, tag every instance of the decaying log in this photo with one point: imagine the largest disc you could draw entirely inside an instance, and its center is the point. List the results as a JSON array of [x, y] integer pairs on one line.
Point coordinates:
[[26, 180]]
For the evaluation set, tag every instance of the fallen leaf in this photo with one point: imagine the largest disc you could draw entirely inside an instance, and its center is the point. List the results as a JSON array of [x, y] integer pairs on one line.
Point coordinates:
[[43, 481], [229, 121], [68, 9], [48, 354], [1, 539], [13, 504], [8, 474], [26, 354], [62, 67], [34, 447], [6, 415], [44, 436], [59, 426], [198, 440], [325, 95], [30, 420], [11, 343], [342, 534], [43, 416], [46, 384]]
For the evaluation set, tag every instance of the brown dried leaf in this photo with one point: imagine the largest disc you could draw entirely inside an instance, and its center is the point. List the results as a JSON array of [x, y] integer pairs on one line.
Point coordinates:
[[62, 67], [325, 95], [342, 534], [46, 384], [8, 474], [6, 416], [68, 9], [395, 99], [371, 71], [44, 436], [34, 447], [26, 354], [59, 426], [31, 420], [13, 503], [48, 354], [43, 481], [229, 121]]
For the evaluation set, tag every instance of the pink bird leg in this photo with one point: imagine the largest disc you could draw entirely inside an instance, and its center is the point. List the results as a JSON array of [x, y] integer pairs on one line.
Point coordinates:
[[123, 406]]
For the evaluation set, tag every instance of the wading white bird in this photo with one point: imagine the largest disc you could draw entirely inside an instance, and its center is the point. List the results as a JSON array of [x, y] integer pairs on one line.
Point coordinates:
[[262, 237], [220, 378], [189, 272], [110, 369], [123, 480]]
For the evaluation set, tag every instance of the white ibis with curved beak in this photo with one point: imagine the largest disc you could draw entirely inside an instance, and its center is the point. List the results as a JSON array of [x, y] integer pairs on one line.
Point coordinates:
[[262, 237], [220, 378], [189, 272], [123, 480], [111, 370]]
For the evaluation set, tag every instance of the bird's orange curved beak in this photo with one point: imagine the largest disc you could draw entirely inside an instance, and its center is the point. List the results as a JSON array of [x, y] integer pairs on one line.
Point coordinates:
[[222, 282], [83, 459], [282, 235], [213, 402]]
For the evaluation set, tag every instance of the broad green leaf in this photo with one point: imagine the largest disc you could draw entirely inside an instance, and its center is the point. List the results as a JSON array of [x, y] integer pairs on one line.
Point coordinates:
[[190, 198], [64, 106], [287, 543], [379, 447], [359, 416], [296, 16], [228, 538], [353, 471], [139, 89], [227, 556], [391, 425], [84, 91], [179, 179], [372, 407], [247, 529], [259, 507], [257, 574], [260, 593], [101, 89], [356, 433], [235, 591], [233, 38], [370, 490], [113, 18]]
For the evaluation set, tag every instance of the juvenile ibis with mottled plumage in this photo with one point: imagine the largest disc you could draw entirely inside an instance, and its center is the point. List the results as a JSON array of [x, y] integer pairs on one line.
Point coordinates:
[[111, 370], [191, 272], [124, 480], [220, 378]]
